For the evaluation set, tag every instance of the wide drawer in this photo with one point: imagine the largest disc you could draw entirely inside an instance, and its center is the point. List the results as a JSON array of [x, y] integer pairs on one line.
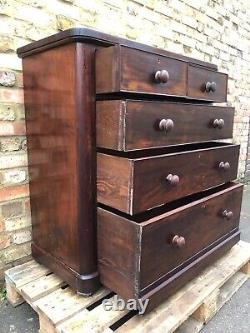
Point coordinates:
[[137, 181], [127, 125], [135, 254], [206, 84], [122, 69]]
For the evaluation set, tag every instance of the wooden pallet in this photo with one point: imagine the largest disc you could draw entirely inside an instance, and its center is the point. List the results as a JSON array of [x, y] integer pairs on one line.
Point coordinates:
[[61, 310]]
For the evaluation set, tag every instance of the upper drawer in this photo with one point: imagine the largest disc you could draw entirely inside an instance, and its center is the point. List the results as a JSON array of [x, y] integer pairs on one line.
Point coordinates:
[[140, 181], [206, 84], [122, 69], [127, 125]]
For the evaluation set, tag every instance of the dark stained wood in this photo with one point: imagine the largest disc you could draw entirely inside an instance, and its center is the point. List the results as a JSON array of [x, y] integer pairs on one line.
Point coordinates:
[[60, 130], [197, 79], [128, 125], [97, 38], [128, 70], [172, 212], [146, 185], [160, 293], [144, 257]]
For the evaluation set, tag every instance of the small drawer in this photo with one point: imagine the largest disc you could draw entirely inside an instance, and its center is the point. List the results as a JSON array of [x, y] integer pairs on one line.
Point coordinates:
[[139, 255], [141, 181], [206, 84], [127, 125], [122, 69]]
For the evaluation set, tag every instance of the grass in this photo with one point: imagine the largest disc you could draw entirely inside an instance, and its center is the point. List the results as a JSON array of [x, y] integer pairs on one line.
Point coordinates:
[[2, 294]]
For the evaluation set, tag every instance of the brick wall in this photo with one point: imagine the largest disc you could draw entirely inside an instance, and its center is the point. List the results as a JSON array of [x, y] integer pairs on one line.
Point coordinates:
[[212, 30]]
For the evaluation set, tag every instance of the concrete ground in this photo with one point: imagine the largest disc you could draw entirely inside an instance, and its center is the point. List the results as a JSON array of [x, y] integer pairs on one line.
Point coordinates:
[[234, 317]]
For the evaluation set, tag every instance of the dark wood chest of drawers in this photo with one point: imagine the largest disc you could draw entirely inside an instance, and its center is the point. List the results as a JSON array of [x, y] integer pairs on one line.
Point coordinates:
[[130, 183]]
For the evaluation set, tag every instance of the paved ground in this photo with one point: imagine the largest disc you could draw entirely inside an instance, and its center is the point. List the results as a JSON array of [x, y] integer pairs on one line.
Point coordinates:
[[234, 317]]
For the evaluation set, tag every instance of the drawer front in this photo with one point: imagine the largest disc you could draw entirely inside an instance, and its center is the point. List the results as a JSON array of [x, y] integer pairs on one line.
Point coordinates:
[[121, 69], [206, 84], [130, 125], [135, 185], [196, 227]]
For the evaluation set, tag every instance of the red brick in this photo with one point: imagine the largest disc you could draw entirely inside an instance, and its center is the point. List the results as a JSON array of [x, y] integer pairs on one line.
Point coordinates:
[[14, 192], [4, 241], [8, 128], [12, 95]]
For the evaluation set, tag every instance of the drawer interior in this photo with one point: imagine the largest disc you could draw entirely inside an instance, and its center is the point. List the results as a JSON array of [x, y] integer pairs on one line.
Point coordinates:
[[182, 148], [157, 212]]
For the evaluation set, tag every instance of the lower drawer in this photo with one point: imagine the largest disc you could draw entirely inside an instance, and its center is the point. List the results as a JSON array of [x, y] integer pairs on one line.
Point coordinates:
[[137, 254]]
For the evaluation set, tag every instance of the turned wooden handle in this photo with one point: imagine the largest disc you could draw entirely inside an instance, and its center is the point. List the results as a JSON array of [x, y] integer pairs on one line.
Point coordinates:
[[178, 241], [224, 166], [166, 125], [228, 214], [210, 86], [218, 123], [162, 76], [173, 179]]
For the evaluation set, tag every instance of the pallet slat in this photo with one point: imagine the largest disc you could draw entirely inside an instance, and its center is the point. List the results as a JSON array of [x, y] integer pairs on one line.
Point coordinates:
[[62, 304], [26, 273], [61, 310], [41, 287], [92, 321]]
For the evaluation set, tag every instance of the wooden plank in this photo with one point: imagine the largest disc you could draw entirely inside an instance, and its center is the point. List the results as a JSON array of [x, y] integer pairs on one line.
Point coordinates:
[[208, 309], [97, 320], [26, 273], [62, 304], [246, 269], [41, 287], [12, 294], [172, 313]]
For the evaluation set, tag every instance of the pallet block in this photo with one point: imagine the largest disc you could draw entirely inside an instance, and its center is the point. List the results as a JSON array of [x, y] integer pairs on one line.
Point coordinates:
[[61, 310]]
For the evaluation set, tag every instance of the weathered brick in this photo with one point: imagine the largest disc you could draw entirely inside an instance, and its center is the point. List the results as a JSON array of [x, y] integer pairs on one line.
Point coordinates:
[[15, 252], [13, 177], [4, 241], [9, 144], [11, 111], [11, 209], [21, 237], [12, 128], [14, 192], [13, 160], [63, 22], [7, 79], [16, 223], [6, 44]]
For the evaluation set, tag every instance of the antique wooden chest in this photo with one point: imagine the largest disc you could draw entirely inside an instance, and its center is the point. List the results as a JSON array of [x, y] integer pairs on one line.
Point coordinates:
[[130, 183]]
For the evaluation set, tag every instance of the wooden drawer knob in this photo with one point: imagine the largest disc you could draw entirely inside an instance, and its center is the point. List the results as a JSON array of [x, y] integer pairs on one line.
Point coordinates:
[[166, 125], [218, 123], [210, 86], [162, 76], [228, 214], [173, 179], [178, 241], [224, 165]]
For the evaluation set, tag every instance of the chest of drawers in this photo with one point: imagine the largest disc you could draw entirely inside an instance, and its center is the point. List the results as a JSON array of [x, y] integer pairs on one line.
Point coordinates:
[[130, 184]]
